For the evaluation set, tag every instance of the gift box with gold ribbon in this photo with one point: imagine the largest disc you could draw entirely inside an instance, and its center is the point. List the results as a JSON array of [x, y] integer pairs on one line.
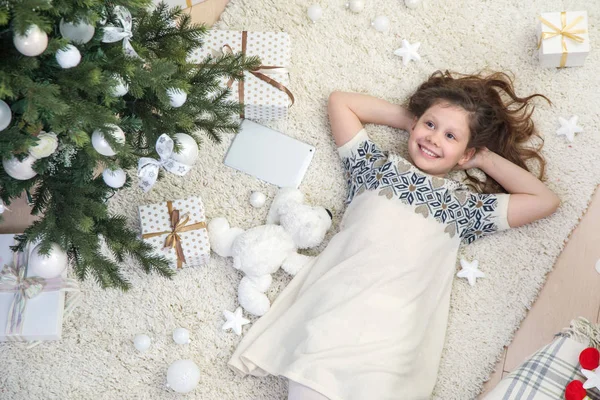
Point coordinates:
[[563, 39], [177, 230], [264, 92]]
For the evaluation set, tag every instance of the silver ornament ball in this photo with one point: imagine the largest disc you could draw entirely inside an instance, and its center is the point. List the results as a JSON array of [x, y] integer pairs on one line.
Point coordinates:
[[68, 57], [32, 43], [177, 97], [314, 12], [20, 170], [381, 23], [115, 179], [79, 33], [5, 115], [49, 265], [188, 149], [101, 145], [257, 199], [355, 6]]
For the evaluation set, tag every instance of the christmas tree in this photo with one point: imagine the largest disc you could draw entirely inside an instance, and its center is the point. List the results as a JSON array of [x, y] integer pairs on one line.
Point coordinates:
[[74, 76]]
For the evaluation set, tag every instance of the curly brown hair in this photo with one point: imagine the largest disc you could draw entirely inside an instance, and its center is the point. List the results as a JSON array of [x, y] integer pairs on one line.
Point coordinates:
[[499, 119]]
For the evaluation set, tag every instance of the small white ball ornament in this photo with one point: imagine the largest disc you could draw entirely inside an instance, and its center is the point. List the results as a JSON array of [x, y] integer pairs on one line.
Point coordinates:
[[188, 147], [181, 336], [5, 115], [33, 43], [314, 12], [121, 89], [257, 199], [176, 97], [412, 3], [68, 57], [355, 6], [101, 145], [21, 170], [381, 23], [47, 266], [115, 179], [183, 376], [142, 342], [79, 33]]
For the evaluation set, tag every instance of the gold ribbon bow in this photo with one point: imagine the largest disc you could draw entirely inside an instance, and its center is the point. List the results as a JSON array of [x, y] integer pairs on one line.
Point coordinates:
[[566, 31], [259, 73], [178, 225]]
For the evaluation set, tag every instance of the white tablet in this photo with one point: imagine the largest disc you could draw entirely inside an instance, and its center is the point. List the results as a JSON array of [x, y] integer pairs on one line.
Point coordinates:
[[269, 155]]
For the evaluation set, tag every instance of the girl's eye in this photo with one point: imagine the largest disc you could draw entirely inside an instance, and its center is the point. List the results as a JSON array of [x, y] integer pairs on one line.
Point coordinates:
[[450, 136], [430, 124]]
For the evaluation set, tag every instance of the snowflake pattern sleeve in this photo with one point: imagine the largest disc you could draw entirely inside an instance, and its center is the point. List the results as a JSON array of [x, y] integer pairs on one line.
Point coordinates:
[[360, 158], [486, 214]]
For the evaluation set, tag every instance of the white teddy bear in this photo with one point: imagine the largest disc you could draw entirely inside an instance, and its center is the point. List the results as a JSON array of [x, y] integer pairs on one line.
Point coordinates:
[[261, 250]]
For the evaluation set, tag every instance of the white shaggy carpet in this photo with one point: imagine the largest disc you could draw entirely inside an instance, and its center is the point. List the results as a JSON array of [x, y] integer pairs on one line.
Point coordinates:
[[96, 358]]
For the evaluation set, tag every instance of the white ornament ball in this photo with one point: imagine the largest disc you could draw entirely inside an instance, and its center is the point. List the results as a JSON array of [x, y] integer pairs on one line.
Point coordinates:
[[21, 170], [79, 33], [181, 336], [114, 179], [142, 342], [355, 6], [598, 266], [5, 115], [176, 97], [188, 149], [68, 57], [183, 376], [33, 43], [314, 12], [381, 23], [121, 89], [257, 199], [47, 266], [412, 3], [101, 145]]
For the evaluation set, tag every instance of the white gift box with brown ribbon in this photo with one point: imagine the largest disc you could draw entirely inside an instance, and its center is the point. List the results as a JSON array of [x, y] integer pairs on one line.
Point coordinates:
[[563, 39], [265, 91], [180, 3], [177, 230]]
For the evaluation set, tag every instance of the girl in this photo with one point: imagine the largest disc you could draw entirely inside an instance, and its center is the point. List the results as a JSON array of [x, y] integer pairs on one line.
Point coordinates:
[[367, 318]]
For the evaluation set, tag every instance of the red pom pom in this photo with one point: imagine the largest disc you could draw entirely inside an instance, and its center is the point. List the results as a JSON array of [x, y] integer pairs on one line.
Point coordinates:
[[589, 358], [575, 391]]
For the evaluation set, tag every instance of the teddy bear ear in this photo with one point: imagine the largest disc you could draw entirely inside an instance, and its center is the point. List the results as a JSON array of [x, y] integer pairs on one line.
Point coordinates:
[[589, 358], [575, 391]]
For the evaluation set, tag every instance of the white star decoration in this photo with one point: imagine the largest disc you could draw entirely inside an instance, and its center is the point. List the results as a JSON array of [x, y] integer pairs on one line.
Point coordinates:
[[568, 127], [235, 321], [470, 271], [408, 52], [593, 378]]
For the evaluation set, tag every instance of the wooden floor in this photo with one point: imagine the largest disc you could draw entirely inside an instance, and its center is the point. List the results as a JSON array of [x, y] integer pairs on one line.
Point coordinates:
[[571, 289]]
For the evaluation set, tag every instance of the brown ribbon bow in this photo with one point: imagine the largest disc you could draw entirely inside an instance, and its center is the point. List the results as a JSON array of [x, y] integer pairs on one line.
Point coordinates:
[[256, 72], [178, 225]]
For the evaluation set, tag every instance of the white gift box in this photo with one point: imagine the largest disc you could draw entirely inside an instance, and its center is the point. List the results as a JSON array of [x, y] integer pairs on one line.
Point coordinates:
[[262, 100], [43, 317], [155, 222], [180, 3], [563, 50]]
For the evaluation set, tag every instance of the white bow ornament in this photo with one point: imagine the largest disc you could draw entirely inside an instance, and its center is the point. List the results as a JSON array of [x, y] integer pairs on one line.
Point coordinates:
[[148, 167], [114, 33]]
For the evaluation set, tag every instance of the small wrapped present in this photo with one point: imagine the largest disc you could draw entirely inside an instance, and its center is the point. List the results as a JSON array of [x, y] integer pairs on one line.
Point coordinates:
[[563, 39], [31, 308], [177, 230], [264, 91]]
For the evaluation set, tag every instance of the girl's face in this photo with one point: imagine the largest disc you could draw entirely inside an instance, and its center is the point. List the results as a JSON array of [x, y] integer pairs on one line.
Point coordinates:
[[438, 140]]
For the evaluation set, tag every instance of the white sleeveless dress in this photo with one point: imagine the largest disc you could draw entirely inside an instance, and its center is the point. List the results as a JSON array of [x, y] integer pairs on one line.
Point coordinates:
[[367, 318]]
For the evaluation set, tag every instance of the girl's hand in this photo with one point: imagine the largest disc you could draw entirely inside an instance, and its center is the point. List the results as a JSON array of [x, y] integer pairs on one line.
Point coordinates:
[[477, 160]]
